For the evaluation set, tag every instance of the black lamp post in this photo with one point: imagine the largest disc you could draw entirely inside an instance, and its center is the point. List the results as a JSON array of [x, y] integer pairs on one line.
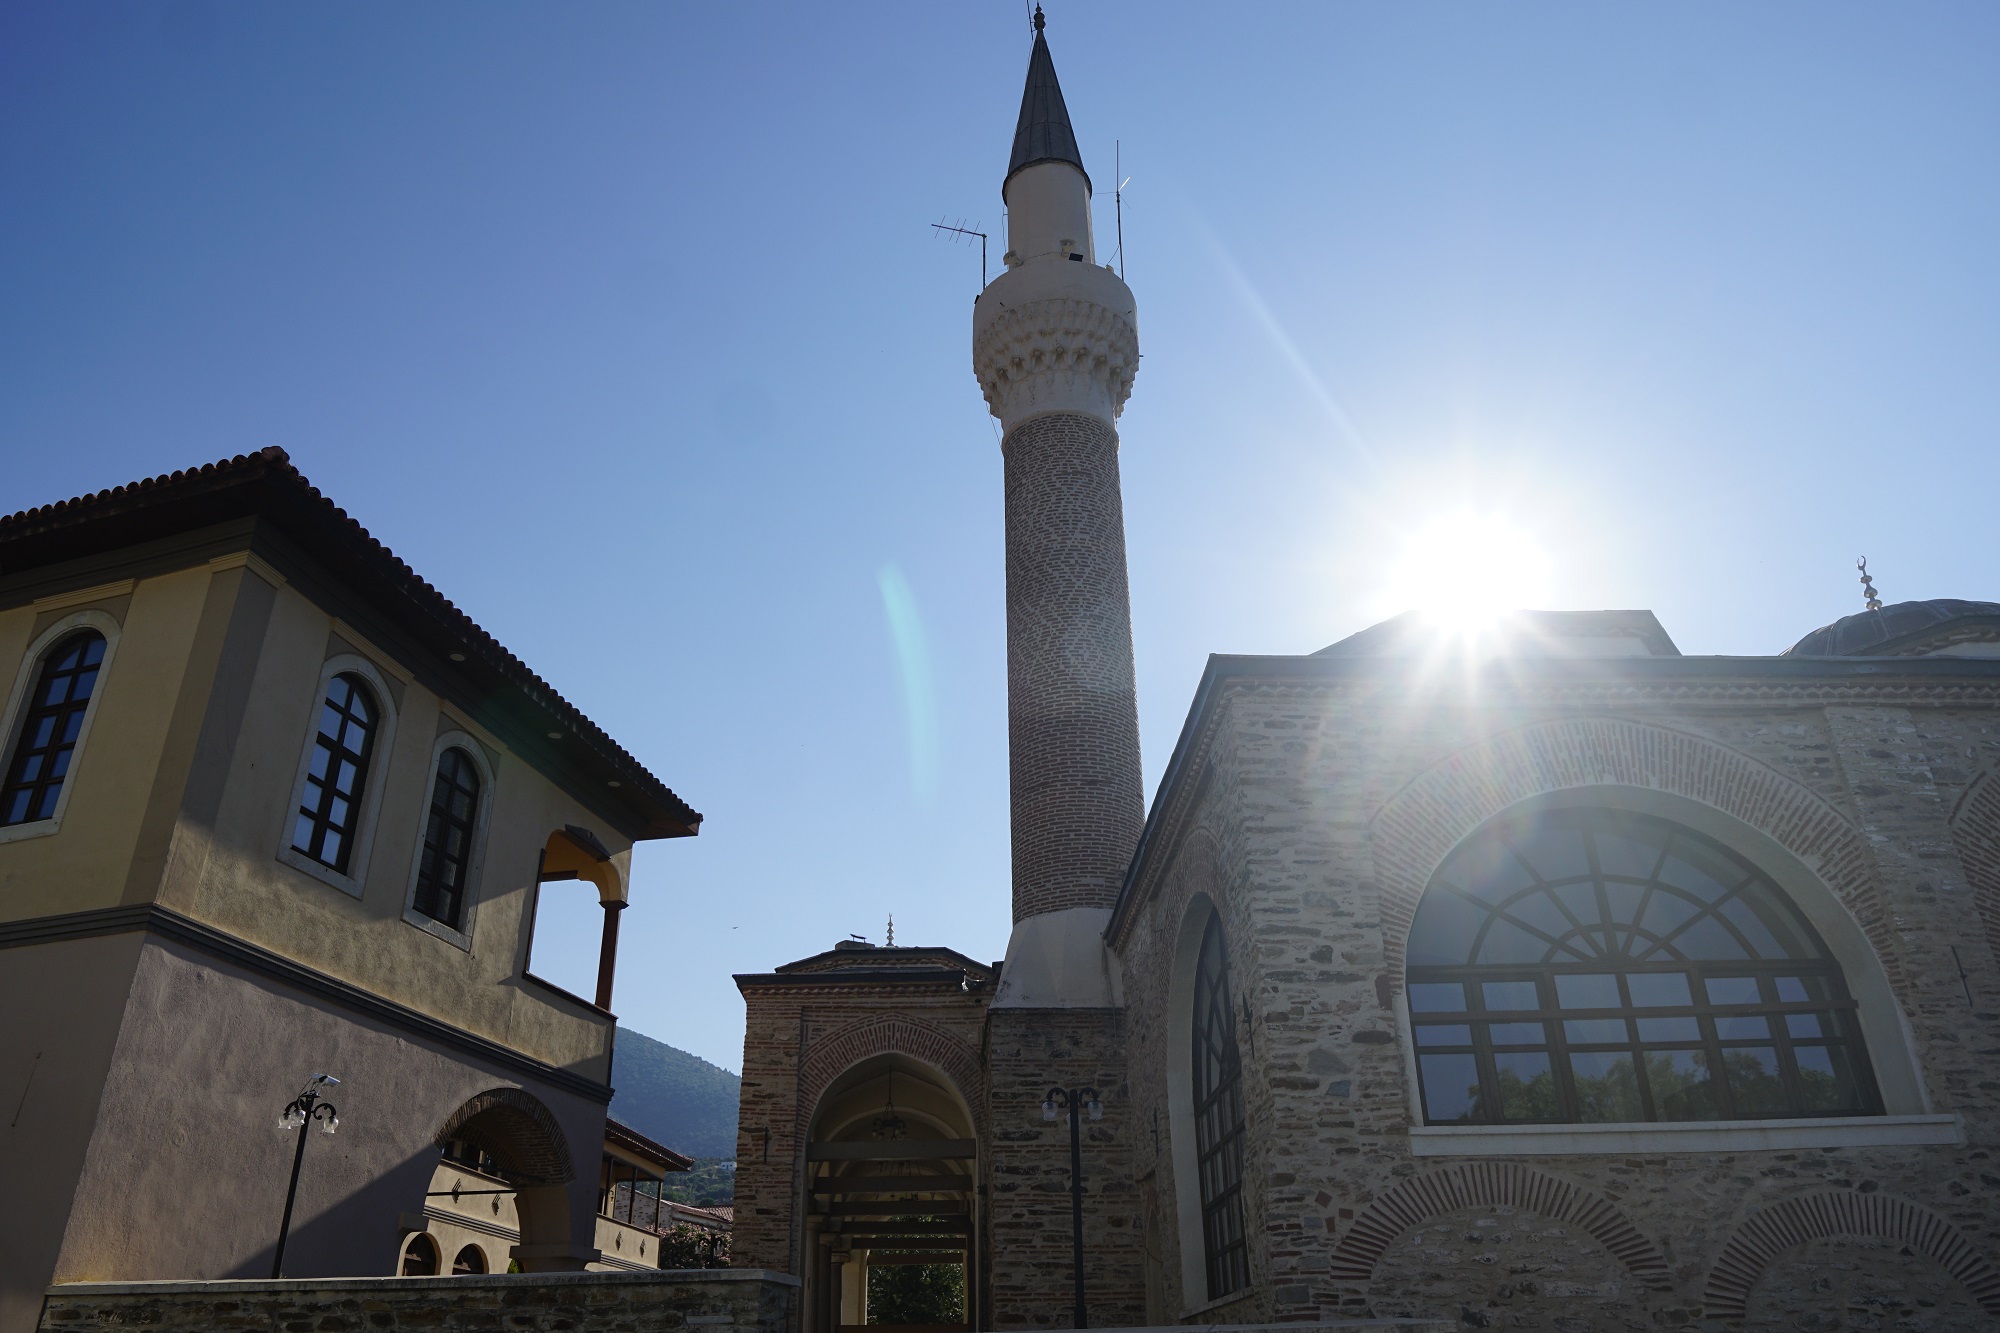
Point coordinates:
[[299, 1115], [1073, 1100]]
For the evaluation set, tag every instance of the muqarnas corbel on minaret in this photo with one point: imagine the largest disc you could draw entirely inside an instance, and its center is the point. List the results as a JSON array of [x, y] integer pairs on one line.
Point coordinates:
[[1055, 346]]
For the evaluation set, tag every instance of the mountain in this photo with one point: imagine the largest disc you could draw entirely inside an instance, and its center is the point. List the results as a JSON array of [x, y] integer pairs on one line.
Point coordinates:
[[674, 1098]]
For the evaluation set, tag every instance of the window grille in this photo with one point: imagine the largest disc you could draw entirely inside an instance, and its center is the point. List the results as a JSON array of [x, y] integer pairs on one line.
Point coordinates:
[[1599, 966], [448, 839], [330, 811], [1218, 1119], [50, 725]]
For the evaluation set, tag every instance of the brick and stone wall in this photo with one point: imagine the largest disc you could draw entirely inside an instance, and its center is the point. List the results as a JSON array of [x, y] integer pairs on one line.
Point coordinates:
[[1028, 1162], [1072, 719], [1312, 814], [710, 1300]]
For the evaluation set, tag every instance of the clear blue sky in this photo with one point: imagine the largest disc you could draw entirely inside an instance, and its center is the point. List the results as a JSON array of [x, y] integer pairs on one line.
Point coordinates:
[[623, 324]]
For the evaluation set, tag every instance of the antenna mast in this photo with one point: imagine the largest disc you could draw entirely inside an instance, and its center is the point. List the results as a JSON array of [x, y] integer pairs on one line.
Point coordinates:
[[962, 230], [1118, 198]]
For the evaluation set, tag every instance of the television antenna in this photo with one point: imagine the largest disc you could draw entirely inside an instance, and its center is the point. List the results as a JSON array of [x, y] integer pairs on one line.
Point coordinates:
[[961, 230]]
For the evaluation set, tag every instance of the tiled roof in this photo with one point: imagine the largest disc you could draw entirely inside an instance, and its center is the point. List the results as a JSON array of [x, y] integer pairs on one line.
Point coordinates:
[[285, 517]]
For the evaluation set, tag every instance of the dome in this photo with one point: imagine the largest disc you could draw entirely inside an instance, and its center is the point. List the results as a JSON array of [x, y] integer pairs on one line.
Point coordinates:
[[1895, 631]]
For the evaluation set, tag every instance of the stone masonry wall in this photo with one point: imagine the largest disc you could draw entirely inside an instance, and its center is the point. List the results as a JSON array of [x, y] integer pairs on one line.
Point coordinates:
[[1346, 1221], [1027, 1158], [1072, 718], [714, 1301]]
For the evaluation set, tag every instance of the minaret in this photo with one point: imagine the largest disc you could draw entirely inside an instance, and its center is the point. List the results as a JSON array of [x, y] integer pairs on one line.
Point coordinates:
[[1055, 344]]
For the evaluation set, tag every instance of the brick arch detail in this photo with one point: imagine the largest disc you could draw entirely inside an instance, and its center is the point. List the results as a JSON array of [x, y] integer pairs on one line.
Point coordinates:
[[1494, 1184], [1766, 1234], [1975, 829], [1418, 826], [520, 1132], [845, 1047]]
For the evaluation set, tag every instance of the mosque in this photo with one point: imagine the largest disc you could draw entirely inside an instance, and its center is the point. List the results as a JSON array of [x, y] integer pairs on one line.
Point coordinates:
[[1544, 979]]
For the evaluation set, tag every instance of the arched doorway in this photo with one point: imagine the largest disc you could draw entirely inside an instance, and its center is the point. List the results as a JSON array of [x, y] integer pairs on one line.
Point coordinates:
[[891, 1185], [502, 1178]]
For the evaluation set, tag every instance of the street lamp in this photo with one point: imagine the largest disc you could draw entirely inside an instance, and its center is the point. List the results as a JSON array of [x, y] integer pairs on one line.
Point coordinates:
[[1072, 1100], [299, 1115]]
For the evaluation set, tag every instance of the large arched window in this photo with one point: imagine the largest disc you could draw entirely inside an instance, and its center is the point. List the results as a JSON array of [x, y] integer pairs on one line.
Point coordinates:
[[51, 722], [447, 854], [1595, 965], [1218, 1119], [329, 812]]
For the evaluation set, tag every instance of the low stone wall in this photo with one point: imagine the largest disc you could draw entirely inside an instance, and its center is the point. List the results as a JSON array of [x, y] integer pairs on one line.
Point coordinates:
[[715, 1300]]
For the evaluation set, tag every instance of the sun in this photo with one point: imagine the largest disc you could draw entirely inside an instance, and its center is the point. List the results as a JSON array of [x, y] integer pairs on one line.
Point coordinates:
[[1467, 568]]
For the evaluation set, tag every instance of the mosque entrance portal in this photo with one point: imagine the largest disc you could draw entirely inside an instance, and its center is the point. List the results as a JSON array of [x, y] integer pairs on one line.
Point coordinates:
[[891, 1186]]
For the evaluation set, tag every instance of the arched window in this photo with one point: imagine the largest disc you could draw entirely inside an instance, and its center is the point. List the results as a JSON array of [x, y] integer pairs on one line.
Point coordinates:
[[471, 1259], [420, 1256], [50, 724], [447, 855], [330, 806], [1594, 965], [1218, 1119]]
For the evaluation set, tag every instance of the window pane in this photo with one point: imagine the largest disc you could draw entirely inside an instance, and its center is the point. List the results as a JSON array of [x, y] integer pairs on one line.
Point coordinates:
[[1588, 991], [1585, 1031], [1441, 1034], [1607, 1088], [1826, 1080], [1451, 1087], [1805, 1025], [1508, 943], [1517, 1034], [1733, 990], [1659, 989], [1527, 1088], [1504, 995], [1441, 997], [1681, 1086], [1754, 1084], [1742, 1027], [1669, 1029]]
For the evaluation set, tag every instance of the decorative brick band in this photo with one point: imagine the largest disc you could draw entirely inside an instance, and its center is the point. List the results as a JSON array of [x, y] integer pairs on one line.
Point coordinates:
[[845, 1047], [518, 1130], [1768, 1233], [1493, 1184], [1420, 825], [1975, 828]]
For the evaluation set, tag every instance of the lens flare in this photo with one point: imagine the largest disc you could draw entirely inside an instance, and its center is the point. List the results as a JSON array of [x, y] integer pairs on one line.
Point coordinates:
[[1466, 569]]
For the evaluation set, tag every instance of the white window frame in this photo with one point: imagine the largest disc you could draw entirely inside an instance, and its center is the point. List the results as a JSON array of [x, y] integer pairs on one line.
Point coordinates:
[[475, 862], [25, 677], [354, 881]]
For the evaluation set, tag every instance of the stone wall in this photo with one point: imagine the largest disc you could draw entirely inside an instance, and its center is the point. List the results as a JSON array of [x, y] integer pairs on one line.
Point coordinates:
[[742, 1299], [1281, 822]]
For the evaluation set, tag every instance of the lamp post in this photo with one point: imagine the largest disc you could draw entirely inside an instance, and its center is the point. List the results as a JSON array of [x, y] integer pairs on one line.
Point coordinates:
[[1073, 1100], [299, 1115]]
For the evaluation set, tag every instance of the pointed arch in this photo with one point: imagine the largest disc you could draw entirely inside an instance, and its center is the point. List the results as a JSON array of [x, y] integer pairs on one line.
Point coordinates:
[[1494, 1184], [1768, 1233], [840, 1050]]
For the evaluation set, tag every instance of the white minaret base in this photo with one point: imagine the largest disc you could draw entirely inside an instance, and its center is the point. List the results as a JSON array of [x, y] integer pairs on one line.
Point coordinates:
[[1057, 960]]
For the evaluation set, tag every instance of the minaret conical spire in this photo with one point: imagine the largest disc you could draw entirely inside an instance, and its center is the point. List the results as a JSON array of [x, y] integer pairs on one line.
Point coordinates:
[[1043, 134]]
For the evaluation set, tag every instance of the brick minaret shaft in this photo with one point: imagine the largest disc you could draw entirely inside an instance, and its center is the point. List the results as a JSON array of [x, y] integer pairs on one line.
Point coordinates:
[[1055, 345]]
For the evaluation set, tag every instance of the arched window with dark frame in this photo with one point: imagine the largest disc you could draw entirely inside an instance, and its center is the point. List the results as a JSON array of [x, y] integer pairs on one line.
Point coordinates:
[[1585, 966], [51, 721], [1218, 1119], [447, 857], [329, 811]]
